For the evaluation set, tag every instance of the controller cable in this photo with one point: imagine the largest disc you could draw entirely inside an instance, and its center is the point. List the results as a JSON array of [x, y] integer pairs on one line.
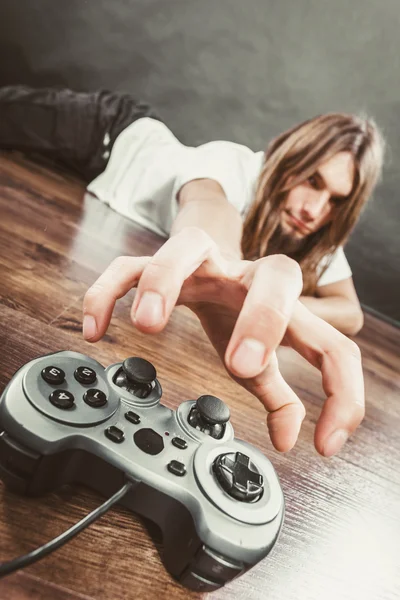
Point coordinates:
[[27, 559]]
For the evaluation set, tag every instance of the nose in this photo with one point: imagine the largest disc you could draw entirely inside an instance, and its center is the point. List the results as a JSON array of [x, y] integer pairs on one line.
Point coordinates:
[[315, 205]]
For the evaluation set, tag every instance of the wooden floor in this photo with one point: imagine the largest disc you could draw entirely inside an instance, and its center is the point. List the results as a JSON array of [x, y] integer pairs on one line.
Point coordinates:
[[341, 537]]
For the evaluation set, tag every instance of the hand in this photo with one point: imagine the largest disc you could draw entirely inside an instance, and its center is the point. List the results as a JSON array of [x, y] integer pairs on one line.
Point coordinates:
[[247, 309]]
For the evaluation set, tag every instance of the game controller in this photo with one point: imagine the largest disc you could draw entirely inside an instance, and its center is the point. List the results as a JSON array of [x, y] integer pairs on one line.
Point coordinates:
[[217, 500]]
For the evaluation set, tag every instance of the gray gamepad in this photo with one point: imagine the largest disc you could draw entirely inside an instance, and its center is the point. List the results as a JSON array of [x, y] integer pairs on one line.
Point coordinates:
[[217, 500]]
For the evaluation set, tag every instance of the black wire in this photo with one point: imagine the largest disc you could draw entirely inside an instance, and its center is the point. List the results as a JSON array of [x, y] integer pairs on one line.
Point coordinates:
[[27, 559]]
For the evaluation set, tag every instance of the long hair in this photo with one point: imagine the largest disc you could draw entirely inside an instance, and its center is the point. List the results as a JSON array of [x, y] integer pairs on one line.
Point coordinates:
[[290, 159]]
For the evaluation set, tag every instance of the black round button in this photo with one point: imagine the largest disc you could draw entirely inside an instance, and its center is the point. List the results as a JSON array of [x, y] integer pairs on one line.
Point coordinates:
[[213, 410], [53, 375], [139, 370], [95, 398], [85, 375], [149, 441], [62, 399], [239, 476]]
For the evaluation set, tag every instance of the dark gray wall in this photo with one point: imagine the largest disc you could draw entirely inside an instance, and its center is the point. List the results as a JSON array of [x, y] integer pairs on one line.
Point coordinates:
[[229, 69]]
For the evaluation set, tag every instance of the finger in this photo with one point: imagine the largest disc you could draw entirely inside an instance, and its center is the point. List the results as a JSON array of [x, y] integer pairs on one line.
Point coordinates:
[[274, 285], [286, 411], [99, 301], [339, 360], [164, 275]]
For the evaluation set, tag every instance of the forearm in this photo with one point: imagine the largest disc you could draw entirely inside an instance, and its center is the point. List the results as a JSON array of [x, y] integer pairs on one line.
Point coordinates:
[[344, 315], [203, 204]]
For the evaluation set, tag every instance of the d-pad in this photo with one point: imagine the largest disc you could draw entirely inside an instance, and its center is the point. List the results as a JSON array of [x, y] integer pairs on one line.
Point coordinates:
[[238, 476]]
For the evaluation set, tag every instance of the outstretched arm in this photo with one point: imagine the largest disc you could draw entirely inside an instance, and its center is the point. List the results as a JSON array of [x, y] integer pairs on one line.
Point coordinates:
[[247, 309], [203, 204]]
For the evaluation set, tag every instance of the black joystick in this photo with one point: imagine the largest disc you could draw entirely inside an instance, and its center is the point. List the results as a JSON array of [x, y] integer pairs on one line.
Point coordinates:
[[210, 416], [137, 376], [238, 476]]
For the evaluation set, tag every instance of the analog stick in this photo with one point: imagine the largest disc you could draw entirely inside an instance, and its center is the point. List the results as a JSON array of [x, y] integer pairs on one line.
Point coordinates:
[[210, 416], [136, 376]]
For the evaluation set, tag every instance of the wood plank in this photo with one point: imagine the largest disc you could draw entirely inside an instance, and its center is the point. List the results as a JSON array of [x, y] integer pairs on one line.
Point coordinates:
[[341, 537]]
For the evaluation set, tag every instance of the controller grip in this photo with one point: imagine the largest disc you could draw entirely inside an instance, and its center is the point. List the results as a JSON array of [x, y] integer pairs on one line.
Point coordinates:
[[187, 559], [28, 472], [184, 555]]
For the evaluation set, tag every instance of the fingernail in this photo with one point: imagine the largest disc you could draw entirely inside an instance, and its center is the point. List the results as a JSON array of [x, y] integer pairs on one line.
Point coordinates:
[[150, 311], [335, 441], [249, 357], [89, 327]]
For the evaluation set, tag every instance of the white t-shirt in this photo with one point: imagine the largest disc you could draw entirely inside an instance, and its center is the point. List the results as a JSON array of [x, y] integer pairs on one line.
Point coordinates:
[[148, 165]]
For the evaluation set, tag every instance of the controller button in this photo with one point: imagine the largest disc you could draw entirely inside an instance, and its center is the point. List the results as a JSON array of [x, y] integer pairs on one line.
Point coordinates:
[[95, 398], [85, 375], [132, 417], [177, 468], [62, 399], [180, 443], [115, 434], [149, 441], [209, 563], [53, 375], [238, 476], [197, 583]]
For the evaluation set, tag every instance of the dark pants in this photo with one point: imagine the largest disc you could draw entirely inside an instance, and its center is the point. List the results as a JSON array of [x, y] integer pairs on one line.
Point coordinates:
[[75, 130]]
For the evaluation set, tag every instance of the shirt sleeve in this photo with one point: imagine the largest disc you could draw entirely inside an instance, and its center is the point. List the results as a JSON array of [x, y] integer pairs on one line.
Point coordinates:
[[338, 269]]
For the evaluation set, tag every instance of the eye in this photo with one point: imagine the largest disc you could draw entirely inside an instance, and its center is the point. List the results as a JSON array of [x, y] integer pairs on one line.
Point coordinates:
[[337, 200], [313, 181]]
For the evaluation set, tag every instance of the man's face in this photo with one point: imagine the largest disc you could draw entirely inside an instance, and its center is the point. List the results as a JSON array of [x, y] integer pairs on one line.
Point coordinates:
[[311, 204]]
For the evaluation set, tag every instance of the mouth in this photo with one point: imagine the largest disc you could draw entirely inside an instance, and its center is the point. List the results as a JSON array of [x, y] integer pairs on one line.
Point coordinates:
[[299, 224]]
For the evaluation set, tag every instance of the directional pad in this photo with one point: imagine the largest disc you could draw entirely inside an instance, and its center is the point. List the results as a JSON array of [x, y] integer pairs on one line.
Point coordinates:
[[239, 476]]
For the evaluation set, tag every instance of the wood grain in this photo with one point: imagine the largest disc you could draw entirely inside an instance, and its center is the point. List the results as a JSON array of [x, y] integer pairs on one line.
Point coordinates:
[[341, 537]]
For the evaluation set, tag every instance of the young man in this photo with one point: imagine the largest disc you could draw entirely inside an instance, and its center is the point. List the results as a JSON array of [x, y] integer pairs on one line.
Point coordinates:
[[287, 212]]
